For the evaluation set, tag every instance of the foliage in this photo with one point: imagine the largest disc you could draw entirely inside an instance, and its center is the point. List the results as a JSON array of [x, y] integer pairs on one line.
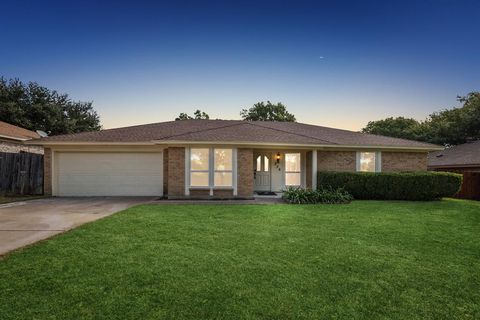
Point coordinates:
[[299, 195], [457, 125], [449, 126], [400, 127], [365, 260], [268, 111], [419, 186], [197, 115], [34, 107]]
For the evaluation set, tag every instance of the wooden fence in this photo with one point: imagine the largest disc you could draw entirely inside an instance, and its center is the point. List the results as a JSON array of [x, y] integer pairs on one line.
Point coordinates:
[[470, 186], [21, 173]]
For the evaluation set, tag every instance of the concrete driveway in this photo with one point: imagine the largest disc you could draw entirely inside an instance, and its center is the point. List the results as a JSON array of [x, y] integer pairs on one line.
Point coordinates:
[[24, 223]]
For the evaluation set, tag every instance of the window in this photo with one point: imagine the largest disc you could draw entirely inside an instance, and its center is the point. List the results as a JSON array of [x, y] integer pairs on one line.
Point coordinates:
[[266, 163], [368, 161], [202, 160], [292, 169], [199, 167], [223, 168]]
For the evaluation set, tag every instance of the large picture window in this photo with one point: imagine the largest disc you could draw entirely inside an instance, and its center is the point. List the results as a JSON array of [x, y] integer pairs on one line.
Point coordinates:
[[292, 169], [368, 161], [211, 167]]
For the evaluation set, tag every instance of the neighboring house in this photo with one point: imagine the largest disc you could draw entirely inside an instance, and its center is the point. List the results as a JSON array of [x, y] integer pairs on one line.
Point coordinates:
[[215, 158], [12, 139], [464, 159]]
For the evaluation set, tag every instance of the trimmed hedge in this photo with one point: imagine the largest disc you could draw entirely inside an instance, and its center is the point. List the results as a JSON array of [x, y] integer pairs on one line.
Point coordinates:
[[299, 195], [393, 186]]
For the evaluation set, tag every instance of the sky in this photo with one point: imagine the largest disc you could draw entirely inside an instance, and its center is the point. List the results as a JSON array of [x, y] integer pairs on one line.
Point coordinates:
[[336, 63]]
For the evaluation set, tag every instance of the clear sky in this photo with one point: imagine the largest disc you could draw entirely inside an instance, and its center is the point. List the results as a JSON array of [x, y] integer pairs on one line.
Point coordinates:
[[332, 63]]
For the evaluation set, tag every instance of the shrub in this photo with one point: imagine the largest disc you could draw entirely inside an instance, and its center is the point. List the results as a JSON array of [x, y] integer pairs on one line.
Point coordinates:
[[323, 195], [394, 186]]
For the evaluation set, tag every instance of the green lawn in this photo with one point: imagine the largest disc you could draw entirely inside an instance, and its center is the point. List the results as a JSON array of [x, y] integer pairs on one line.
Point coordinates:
[[365, 260]]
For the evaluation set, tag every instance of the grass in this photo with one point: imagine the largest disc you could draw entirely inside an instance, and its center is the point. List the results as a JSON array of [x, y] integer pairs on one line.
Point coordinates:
[[365, 260], [8, 199]]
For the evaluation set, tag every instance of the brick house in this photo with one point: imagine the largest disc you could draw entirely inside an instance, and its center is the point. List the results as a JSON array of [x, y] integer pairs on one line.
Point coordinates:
[[12, 139], [215, 158]]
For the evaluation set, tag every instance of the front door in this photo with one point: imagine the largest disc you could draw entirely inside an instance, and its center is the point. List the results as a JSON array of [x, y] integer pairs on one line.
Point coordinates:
[[262, 171]]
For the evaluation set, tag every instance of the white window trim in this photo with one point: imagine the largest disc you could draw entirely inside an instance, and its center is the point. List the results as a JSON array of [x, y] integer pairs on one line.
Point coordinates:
[[299, 172], [201, 171], [378, 160], [211, 170], [212, 183]]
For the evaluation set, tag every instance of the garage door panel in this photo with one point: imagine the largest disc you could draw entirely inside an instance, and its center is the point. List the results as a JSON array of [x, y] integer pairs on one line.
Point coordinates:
[[105, 174]]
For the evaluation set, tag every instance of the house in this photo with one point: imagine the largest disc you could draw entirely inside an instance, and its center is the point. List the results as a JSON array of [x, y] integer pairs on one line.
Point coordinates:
[[215, 158], [12, 139], [464, 159]]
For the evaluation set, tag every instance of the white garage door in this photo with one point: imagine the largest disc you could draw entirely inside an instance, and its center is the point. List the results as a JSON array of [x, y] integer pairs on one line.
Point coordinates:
[[108, 174]]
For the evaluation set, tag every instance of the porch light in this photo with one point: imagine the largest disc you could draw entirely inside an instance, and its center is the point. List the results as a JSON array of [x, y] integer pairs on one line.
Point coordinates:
[[278, 158]]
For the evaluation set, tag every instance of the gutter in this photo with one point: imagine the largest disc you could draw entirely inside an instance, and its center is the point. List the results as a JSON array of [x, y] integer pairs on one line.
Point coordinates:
[[238, 143], [14, 138]]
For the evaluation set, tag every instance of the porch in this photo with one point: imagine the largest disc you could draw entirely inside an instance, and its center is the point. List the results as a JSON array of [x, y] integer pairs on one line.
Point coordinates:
[[275, 170]]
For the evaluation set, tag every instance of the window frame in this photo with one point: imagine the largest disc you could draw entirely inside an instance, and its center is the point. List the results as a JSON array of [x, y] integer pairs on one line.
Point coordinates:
[[222, 171], [296, 172], [211, 170], [202, 171], [378, 161]]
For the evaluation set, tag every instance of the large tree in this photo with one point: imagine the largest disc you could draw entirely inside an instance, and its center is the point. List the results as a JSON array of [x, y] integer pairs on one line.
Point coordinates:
[[197, 115], [268, 111], [399, 127], [34, 107], [447, 127], [457, 125]]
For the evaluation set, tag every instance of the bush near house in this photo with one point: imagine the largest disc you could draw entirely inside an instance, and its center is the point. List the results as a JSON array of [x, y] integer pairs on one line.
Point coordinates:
[[417, 186], [298, 195]]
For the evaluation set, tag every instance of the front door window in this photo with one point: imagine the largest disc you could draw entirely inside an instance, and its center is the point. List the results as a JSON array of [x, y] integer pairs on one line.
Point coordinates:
[[262, 172]]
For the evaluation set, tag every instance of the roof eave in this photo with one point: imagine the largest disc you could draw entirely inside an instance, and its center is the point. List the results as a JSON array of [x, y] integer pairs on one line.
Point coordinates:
[[241, 143], [14, 138]]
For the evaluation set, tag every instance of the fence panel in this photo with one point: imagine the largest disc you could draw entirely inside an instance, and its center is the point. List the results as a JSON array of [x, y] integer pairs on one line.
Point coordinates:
[[21, 173]]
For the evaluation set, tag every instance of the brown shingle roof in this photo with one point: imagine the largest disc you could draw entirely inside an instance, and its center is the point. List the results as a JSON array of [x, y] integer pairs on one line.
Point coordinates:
[[238, 131], [467, 154], [17, 133]]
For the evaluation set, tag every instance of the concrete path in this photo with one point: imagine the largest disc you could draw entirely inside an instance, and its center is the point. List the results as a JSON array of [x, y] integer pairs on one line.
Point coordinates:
[[24, 223]]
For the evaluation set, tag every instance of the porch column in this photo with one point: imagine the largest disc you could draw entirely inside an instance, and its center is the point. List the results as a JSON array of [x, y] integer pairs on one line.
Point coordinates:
[[314, 169]]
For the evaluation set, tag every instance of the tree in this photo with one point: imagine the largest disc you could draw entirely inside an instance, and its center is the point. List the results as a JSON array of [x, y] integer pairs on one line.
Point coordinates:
[[400, 127], [198, 115], [447, 127], [268, 111], [457, 125], [34, 107]]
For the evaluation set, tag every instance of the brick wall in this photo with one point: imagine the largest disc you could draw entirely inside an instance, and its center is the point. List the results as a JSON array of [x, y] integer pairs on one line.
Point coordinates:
[[391, 161], [336, 160], [176, 171], [404, 161], [47, 172], [245, 173], [165, 171], [199, 192], [6, 146], [308, 169]]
